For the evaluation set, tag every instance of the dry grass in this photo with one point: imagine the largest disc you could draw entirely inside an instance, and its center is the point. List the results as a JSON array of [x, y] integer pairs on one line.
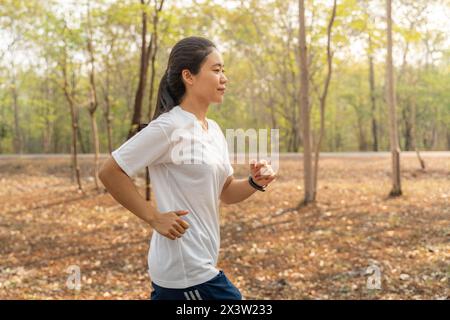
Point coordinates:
[[318, 252]]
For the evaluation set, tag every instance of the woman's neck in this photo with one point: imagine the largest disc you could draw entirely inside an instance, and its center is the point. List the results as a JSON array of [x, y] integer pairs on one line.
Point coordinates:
[[198, 108]]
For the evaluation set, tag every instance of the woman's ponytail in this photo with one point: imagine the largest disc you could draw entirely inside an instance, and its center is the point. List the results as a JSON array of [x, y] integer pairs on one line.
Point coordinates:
[[165, 101], [189, 53]]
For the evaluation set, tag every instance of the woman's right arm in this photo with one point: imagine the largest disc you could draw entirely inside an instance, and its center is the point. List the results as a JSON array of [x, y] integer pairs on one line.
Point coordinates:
[[123, 190]]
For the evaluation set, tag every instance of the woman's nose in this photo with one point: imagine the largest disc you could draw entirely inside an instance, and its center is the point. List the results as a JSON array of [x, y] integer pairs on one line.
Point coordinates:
[[224, 79]]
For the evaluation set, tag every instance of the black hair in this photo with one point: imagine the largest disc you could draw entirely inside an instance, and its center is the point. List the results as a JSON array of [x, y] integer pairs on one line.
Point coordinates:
[[188, 53]]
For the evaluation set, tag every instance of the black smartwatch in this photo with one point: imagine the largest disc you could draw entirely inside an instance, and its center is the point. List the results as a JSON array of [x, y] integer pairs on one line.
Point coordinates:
[[254, 185]]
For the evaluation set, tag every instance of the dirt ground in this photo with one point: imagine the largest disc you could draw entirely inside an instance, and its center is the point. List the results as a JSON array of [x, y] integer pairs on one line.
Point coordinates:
[[336, 249]]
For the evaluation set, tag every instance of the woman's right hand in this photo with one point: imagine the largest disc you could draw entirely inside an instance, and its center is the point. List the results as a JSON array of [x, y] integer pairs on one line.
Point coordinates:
[[170, 225]]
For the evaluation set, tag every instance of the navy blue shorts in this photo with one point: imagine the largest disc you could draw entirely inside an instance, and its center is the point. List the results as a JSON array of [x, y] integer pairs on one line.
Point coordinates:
[[218, 288]]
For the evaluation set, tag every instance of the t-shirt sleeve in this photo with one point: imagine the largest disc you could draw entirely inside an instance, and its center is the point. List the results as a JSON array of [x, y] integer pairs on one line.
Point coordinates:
[[148, 147]]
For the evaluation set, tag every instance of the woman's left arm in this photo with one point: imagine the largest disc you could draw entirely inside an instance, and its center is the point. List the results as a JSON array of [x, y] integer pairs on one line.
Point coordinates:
[[237, 190]]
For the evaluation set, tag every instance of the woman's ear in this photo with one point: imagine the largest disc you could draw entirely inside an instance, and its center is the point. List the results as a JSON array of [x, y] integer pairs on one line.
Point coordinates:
[[187, 76]]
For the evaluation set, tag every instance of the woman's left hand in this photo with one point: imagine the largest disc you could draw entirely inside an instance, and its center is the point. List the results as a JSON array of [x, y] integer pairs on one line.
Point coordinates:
[[262, 172]]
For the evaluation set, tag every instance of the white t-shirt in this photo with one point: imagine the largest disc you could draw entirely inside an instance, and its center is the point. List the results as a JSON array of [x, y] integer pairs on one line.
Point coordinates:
[[188, 168]]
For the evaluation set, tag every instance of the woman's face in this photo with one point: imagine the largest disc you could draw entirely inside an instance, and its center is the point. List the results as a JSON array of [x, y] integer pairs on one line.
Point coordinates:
[[209, 84]]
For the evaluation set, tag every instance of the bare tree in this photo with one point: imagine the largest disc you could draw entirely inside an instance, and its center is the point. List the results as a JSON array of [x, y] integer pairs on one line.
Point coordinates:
[[153, 51], [70, 97], [18, 137], [93, 102], [105, 89], [305, 109], [390, 98], [323, 98], [372, 95], [143, 69], [47, 90], [409, 108]]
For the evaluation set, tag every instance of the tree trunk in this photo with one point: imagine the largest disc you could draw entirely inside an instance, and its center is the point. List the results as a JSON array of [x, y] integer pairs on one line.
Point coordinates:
[[143, 69], [93, 102], [18, 139], [55, 141], [3, 130], [305, 109], [74, 137], [80, 138], [323, 99], [273, 118], [153, 51], [406, 113], [48, 94], [413, 124], [108, 118], [372, 98], [395, 148], [96, 147], [70, 100], [362, 143], [107, 113], [106, 97]]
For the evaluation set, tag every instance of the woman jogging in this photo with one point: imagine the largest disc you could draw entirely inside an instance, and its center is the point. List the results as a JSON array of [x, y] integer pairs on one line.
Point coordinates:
[[190, 170]]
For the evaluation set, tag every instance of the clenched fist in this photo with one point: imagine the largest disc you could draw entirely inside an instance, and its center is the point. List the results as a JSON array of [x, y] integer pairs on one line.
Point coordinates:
[[170, 225], [262, 172]]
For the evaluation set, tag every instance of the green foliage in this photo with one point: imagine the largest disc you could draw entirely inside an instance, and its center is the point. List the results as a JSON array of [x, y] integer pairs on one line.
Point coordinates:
[[259, 44]]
